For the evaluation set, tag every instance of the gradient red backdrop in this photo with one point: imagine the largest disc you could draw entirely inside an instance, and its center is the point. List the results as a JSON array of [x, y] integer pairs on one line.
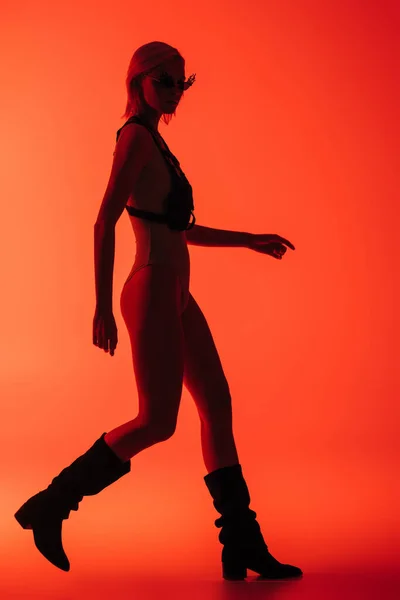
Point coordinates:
[[292, 128]]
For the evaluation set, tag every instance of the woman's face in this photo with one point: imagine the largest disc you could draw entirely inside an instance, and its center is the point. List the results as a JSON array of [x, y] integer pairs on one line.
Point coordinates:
[[159, 97]]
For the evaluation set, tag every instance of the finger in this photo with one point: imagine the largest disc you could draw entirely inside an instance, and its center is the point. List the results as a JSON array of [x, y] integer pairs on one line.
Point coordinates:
[[284, 241], [290, 245]]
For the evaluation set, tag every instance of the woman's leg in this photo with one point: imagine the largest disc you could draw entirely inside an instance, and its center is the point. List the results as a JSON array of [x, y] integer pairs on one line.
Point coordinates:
[[205, 380], [150, 306]]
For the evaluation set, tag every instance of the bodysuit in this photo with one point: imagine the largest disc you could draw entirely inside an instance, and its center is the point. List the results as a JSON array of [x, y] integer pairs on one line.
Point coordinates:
[[160, 238]]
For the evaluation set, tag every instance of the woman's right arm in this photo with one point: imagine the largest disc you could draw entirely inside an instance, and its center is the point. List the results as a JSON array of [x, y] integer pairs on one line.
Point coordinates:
[[131, 155]]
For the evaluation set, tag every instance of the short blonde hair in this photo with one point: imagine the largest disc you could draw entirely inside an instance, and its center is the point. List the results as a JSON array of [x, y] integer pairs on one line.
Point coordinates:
[[145, 59]]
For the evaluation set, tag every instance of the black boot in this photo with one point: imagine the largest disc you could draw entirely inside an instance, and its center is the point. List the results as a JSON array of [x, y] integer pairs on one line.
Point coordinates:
[[45, 512], [244, 546]]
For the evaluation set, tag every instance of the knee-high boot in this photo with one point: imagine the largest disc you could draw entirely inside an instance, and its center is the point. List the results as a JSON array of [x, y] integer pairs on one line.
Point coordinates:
[[45, 511], [243, 544]]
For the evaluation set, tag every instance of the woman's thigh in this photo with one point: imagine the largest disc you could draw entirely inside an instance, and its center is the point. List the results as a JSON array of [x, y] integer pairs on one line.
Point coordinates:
[[150, 306], [204, 376]]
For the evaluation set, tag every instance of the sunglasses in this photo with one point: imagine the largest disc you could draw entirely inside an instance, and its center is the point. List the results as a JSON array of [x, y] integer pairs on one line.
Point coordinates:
[[167, 81]]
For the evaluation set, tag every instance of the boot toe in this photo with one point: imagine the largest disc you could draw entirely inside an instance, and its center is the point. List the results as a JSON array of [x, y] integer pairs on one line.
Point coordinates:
[[293, 571], [282, 572], [49, 543]]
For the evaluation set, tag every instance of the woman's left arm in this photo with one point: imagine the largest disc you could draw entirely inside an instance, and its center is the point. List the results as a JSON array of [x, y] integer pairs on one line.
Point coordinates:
[[207, 236]]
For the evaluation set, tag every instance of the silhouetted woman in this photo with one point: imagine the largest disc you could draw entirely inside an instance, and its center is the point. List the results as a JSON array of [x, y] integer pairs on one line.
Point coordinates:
[[170, 338]]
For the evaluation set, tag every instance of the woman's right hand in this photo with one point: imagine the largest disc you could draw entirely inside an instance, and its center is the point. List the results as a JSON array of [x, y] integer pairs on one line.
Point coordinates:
[[105, 334]]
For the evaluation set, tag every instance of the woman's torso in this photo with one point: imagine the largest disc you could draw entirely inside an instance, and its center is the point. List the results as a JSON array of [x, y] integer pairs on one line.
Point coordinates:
[[156, 243]]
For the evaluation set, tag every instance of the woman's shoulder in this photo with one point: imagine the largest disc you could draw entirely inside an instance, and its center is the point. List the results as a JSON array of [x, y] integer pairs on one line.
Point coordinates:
[[134, 124]]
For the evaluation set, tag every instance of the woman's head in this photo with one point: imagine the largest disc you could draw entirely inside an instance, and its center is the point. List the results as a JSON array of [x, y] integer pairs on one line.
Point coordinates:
[[147, 80]]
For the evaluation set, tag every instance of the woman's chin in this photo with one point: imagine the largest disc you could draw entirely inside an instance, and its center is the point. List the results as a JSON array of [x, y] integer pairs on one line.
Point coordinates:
[[170, 108]]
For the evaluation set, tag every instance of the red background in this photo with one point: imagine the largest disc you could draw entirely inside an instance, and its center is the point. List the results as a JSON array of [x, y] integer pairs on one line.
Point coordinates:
[[291, 127]]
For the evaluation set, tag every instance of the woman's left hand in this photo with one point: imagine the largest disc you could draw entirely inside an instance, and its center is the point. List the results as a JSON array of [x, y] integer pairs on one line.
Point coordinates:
[[269, 243]]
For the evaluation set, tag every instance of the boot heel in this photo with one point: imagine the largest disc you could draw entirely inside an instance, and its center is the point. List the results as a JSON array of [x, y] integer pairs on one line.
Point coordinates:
[[23, 518], [234, 571]]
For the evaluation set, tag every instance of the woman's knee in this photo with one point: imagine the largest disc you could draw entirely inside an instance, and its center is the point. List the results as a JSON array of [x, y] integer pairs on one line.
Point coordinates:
[[160, 432]]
